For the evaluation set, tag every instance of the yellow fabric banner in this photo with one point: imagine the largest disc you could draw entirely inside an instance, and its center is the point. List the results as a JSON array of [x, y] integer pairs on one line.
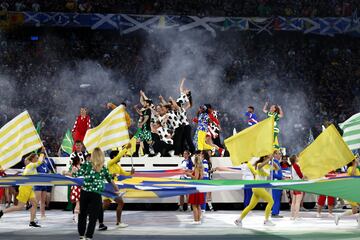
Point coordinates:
[[327, 153], [255, 141]]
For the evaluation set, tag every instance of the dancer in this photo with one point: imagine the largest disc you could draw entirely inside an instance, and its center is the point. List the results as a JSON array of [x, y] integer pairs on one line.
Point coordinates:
[[214, 128], [115, 169], [276, 112], [202, 121], [144, 131], [197, 199], [94, 173], [276, 194], [330, 203], [247, 175], [82, 124], [187, 165], [26, 193], [296, 174], [80, 152], [251, 117], [245, 167], [41, 191], [261, 172], [352, 170], [185, 103], [75, 191]]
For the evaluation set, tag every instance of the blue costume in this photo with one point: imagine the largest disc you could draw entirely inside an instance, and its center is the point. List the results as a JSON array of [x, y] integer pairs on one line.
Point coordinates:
[[251, 118], [276, 194], [45, 168], [205, 177]]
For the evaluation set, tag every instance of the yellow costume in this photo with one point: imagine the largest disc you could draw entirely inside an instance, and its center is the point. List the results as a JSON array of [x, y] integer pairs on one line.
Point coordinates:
[[202, 145], [115, 168], [259, 193], [357, 173], [26, 192]]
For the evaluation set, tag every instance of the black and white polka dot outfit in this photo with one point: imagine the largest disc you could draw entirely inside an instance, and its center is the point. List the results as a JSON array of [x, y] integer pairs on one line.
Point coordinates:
[[183, 99]]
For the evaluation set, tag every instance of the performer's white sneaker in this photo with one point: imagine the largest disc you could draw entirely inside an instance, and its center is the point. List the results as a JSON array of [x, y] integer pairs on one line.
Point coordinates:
[[337, 219], [269, 223], [196, 222], [238, 222], [318, 215], [123, 225]]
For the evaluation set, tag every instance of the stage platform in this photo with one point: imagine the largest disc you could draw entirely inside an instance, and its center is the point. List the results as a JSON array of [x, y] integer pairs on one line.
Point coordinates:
[[177, 225]]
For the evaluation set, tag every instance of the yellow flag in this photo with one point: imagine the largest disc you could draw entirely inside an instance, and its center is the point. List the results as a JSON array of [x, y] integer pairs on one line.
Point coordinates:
[[17, 138], [255, 141], [132, 150], [327, 153], [111, 132]]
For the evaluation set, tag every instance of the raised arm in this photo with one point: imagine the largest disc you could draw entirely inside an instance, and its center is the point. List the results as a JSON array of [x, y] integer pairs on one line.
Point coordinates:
[[265, 107], [117, 159], [174, 104], [281, 114], [142, 97], [111, 106], [162, 100], [182, 85]]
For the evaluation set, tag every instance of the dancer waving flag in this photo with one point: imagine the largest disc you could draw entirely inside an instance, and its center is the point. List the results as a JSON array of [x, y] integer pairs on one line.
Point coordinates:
[[17, 138]]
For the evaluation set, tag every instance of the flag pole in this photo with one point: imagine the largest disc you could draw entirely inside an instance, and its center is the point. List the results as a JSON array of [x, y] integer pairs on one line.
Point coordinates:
[[47, 156]]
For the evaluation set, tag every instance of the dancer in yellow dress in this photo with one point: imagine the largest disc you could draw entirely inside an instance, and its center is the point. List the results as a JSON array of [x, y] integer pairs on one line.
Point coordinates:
[[261, 172], [26, 193], [351, 171]]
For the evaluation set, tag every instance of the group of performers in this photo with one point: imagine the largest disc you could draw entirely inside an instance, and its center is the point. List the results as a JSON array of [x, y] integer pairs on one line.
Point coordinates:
[[165, 130]]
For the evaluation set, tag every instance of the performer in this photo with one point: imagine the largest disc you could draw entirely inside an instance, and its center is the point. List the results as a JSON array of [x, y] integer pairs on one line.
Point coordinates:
[[75, 191], [330, 202], [261, 172], [2, 189], [186, 165], [202, 121], [94, 173], [197, 199], [144, 131], [296, 174], [80, 152], [276, 112], [26, 193], [247, 175], [251, 117], [185, 103], [214, 128], [41, 191], [352, 170], [82, 124], [276, 194], [115, 169]]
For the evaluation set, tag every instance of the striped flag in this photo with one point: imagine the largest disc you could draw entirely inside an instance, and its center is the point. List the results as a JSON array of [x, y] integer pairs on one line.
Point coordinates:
[[17, 138], [351, 129], [112, 132]]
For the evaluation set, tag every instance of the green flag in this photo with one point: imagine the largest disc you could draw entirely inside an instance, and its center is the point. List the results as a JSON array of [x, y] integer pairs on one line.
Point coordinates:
[[67, 143], [351, 128], [38, 127]]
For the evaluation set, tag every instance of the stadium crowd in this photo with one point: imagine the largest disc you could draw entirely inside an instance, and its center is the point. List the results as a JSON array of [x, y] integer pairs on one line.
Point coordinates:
[[247, 8]]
